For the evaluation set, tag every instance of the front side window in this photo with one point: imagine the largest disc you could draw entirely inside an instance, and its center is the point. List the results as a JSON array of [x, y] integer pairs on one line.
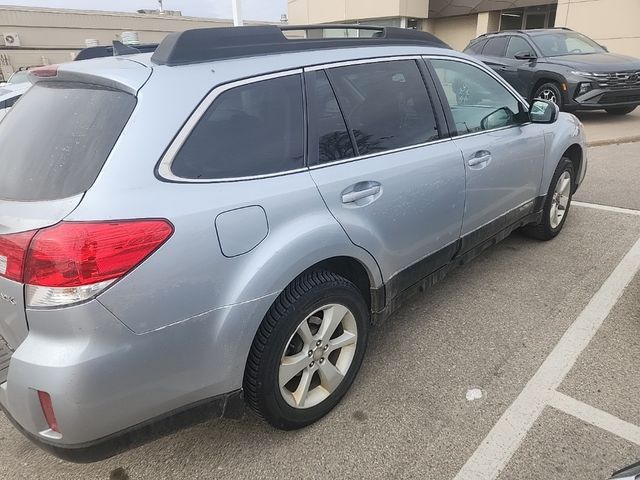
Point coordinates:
[[518, 46], [565, 43], [253, 129], [477, 100], [495, 47], [386, 105]]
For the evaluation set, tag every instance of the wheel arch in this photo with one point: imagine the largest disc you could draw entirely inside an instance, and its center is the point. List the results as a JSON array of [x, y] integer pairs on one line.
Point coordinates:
[[548, 77], [575, 154]]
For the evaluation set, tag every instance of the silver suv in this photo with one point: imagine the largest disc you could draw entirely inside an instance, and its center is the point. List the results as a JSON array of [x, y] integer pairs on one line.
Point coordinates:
[[225, 219]]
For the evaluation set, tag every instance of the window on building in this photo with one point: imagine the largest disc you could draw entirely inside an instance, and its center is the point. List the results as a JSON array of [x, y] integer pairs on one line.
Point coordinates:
[[477, 100], [386, 105], [254, 129]]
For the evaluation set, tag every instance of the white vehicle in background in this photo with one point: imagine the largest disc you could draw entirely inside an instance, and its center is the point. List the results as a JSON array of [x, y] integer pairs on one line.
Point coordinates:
[[9, 95]]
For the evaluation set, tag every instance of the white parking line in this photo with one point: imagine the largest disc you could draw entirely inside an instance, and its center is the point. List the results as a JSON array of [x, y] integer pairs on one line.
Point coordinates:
[[607, 208], [596, 417], [507, 434]]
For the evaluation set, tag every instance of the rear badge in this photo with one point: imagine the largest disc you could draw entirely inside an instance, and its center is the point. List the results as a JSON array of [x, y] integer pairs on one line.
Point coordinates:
[[7, 298]]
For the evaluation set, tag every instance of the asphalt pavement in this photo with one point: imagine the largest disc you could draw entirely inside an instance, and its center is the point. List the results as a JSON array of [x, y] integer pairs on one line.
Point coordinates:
[[492, 326]]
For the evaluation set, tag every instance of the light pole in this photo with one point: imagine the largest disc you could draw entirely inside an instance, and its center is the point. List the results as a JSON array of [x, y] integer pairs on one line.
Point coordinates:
[[237, 13], [161, 9]]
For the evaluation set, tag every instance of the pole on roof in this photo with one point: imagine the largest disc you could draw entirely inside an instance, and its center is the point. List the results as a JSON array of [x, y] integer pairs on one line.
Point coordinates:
[[237, 13]]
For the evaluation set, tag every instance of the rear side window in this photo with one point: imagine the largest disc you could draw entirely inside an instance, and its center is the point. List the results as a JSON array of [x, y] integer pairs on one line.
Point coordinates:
[[253, 129], [56, 139], [475, 47], [495, 47], [11, 102], [329, 139], [386, 105]]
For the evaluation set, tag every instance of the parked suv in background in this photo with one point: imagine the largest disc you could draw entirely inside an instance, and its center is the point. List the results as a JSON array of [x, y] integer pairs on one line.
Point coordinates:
[[163, 256], [562, 66]]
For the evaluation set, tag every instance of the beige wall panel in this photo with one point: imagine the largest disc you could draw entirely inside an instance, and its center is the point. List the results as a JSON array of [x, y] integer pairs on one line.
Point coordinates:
[[298, 12], [414, 8], [614, 23], [362, 9], [456, 31], [327, 11]]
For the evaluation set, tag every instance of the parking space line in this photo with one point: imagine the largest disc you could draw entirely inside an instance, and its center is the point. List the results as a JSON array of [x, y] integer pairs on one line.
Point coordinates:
[[507, 434], [607, 208], [596, 417]]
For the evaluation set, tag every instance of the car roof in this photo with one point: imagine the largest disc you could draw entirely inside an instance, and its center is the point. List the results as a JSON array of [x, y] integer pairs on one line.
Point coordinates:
[[11, 90], [530, 32]]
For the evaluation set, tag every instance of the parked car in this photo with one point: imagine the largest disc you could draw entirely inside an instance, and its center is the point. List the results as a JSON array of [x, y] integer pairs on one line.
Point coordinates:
[[562, 66], [9, 95], [164, 256]]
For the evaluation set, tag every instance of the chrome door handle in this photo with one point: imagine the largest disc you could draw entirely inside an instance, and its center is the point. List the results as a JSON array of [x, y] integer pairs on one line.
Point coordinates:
[[479, 158], [367, 189]]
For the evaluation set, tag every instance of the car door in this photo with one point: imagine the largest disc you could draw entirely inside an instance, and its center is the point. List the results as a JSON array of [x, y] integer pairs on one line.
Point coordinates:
[[503, 151], [517, 71], [493, 52], [396, 187]]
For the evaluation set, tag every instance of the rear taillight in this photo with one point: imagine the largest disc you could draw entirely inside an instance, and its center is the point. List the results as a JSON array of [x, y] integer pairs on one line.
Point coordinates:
[[73, 261], [13, 249]]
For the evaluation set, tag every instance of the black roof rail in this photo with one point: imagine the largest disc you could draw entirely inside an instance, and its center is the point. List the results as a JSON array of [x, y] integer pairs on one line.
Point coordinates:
[[208, 44], [117, 49]]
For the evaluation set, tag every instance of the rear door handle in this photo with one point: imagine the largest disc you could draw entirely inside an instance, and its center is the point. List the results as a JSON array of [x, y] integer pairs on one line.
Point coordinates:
[[359, 191], [479, 158]]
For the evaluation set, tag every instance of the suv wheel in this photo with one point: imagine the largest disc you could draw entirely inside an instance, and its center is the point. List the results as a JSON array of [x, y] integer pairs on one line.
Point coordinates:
[[620, 110], [556, 204], [551, 92], [307, 351]]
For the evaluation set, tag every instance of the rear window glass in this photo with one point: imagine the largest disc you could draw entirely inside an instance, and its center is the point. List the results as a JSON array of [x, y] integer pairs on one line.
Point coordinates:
[[475, 47], [254, 129], [55, 141]]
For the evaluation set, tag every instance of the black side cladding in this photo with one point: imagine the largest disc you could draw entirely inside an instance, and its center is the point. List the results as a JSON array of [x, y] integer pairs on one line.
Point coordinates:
[[208, 44]]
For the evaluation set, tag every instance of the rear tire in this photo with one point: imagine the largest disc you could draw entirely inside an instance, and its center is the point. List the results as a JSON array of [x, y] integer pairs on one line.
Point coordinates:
[[307, 351], [550, 91], [556, 203], [620, 110]]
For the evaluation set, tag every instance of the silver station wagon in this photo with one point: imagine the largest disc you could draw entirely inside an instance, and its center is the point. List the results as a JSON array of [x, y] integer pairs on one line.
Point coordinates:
[[222, 221]]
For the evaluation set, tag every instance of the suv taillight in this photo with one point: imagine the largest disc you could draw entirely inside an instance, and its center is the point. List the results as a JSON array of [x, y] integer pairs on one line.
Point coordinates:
[[73, 261]]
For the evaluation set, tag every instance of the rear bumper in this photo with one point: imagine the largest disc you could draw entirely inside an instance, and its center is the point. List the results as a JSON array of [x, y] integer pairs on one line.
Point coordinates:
[[107, 384], [227, 405]]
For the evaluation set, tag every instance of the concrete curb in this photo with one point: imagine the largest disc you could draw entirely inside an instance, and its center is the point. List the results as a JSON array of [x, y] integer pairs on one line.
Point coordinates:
[[613, 141]]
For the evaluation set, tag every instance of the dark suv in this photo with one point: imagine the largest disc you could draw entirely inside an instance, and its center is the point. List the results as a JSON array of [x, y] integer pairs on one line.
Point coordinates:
[[563, 66]]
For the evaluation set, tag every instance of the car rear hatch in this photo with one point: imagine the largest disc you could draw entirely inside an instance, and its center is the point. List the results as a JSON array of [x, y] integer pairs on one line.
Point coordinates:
[[53, 145]]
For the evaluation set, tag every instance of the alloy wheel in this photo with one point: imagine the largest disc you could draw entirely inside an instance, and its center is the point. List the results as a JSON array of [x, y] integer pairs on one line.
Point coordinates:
[[318, 356], [560, 200], [548, 94]]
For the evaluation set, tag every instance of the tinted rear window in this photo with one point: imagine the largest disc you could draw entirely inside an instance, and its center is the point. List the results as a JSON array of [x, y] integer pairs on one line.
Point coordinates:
[[254, 129], [55, 141], [475, 47]]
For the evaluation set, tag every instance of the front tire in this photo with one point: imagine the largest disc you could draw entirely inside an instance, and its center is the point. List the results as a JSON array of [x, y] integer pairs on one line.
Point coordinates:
[[307, 351], [556, 203], [620, 110], [550, 91]]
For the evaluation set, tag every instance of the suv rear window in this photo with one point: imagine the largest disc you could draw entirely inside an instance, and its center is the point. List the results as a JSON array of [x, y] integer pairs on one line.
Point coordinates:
[[56, 139], [253, 129]]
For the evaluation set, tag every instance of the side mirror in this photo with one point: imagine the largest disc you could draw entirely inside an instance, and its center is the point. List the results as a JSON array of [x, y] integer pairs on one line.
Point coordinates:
[[525, 56], [543, 111], [496, 119]]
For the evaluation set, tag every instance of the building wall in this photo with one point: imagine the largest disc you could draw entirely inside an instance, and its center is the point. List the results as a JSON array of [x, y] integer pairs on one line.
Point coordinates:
[[325, 11], [613, 23], [456, 31], [55, 36]]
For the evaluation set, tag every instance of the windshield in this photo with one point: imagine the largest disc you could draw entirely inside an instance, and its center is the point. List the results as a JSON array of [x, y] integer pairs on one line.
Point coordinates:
[[565, 43], [56, 139]]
